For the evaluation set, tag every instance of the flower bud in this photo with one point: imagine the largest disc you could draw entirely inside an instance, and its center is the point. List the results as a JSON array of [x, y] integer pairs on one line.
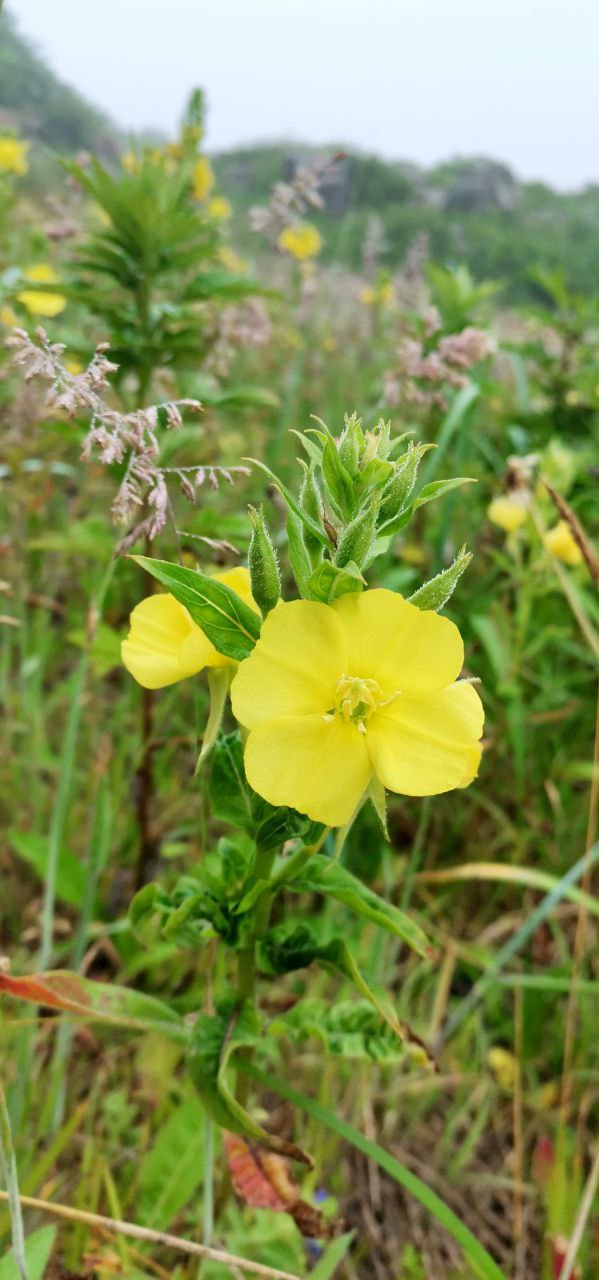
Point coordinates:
[[265, 576], [310, 502], [351, 445], [400, 485], [357, 537]]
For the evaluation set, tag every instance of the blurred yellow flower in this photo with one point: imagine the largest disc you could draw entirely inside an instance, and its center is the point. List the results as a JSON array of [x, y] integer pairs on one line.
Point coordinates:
[[413, 554], [219, 207], [202, 178], [508, 512], [13, 156], [36, 302], [164, 645], [503, 1065], [130, 162], [73, 366], [231, 260], [561, 543], [8, 317], [333, 695], [302, 241], [381, 295]]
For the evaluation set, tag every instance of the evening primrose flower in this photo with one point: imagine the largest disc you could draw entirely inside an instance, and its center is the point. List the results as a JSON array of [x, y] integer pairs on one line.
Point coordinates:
[[165, 645], [302, 241], [36, 302], [336, 695], [219, 207], [8, 317], [560, 542], [13, 156], [202, 178], [508, 512]]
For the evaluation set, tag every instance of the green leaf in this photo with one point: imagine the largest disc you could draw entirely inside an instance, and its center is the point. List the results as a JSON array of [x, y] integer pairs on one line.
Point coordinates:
[[321, 875], [437, 591], [172, 1171], [229, 791], [122, 1006], [295, 945], [481, 1262], [328, 581], [228, 622], [38, 1248], [438, 488], [217, 1039], [337, 478], [71, 875], [346, 1029]]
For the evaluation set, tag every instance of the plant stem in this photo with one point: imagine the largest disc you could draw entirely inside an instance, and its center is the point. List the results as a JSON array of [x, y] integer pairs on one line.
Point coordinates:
[[144, 779], [8, 1165]]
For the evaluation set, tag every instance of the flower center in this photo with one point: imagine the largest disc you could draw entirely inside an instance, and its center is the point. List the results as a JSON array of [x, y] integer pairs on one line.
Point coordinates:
[[356, 699]]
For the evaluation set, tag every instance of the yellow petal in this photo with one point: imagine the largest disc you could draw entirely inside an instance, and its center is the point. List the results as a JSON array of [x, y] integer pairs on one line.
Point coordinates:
[[164, 645], [561, 543], [238, 579], [507, 512], [398, 645], [42, 304], [421, 746], [294, 667], [320, 767]]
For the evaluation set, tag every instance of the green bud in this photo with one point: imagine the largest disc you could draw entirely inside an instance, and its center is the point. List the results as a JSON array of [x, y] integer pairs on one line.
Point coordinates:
[[351, 444], [265, 576], [436, 593], [358, 536], [400, 486], [311, 502]]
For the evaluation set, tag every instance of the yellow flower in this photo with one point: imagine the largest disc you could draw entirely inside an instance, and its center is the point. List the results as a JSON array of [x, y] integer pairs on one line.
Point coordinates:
[[73, 366], [334, 694], [508, 512], [219, 207], [301, 241], [560, 543], [8, 317], [13, 156], [130, 162], [42, 304], [231, 260], [383, 295], [164, 645], [503, 1065], [202, 178]]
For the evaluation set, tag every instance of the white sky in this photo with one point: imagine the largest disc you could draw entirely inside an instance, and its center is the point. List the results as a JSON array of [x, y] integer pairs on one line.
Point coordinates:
[[420, 80]]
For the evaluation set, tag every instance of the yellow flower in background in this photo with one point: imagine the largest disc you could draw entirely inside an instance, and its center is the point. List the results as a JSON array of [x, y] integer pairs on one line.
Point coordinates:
[[383, 295], [219, 207], [503, 1064], [8, 317], [73, 366], [165, 645], [130, 162], [13, 156], [507, 512], [560, 542], [302, 241], [202, 178], [36, 302], [231, 260], [333, 695]]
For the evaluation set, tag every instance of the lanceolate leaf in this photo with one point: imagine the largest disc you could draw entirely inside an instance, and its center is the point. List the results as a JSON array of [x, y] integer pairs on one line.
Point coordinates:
[[291, 503], [229, 623], [216, 1040], [320, 875], [438, 488], [121, 1006], [261, 1179], [346, 1029]]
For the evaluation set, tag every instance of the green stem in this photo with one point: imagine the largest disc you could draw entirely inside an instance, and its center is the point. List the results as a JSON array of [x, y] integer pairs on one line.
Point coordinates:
[[8, 1166]]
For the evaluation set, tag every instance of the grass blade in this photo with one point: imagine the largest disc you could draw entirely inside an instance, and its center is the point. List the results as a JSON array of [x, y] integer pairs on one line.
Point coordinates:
[[480, 1261], [8, 1165]]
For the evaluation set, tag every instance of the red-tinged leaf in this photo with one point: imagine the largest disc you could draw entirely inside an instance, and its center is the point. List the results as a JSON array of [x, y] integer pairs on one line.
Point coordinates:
[[261, 1179], [70, 993]]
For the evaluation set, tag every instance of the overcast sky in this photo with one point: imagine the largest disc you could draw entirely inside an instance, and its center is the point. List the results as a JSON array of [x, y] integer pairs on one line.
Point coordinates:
[[410, 79]]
